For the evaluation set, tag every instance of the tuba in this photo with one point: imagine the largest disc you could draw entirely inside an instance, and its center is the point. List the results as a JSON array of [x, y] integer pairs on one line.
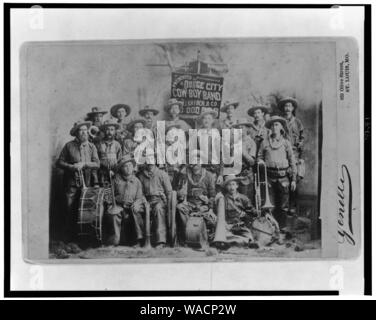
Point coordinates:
[[94, 132]]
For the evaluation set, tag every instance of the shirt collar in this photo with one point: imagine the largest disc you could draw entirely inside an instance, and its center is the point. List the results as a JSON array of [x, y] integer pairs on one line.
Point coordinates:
[[234, 196], [83, 144]]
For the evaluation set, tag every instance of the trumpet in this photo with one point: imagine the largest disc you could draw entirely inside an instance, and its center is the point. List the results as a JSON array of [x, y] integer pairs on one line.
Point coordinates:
[[258, 184]]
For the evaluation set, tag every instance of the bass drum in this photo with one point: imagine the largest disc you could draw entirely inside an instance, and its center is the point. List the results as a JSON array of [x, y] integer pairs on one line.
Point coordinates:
[[90, 213], [196, 235]]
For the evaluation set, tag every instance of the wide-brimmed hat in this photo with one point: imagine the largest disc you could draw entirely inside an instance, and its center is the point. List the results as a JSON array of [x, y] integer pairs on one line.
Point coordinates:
[[229, 178], [109, 123], [283, 101], [263, 108], [229, 103], [279, 119], [212, 112], [143, 111], [78, 125], [172, 102], [243, 123], [95, 110], [116, 107], [126, 158], [131, 124]]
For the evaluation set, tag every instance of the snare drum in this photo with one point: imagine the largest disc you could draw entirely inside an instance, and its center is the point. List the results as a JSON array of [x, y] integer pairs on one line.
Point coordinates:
[[90, 212]]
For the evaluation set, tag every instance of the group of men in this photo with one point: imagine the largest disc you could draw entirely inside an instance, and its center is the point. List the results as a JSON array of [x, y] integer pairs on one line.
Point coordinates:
[[104, 154]]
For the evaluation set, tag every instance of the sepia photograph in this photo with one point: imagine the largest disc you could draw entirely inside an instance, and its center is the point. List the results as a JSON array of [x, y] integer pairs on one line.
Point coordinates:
[[106, 102]]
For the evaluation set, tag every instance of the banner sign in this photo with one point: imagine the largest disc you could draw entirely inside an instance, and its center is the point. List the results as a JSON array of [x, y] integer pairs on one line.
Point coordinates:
[[199, 92]]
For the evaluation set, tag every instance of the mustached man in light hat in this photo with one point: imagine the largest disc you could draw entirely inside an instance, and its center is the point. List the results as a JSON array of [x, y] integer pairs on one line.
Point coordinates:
[[277, 153], [78, 159], [173, 108], [229, 109]]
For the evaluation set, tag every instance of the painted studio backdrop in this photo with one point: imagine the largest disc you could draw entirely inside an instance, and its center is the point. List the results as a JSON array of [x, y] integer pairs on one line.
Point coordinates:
[[69, 79]]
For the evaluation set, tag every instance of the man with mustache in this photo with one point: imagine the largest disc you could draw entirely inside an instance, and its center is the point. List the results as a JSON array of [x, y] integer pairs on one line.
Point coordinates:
[[149, 115], [257, 130], [109, 151], [229, 108], [77, 155], [173, 109]]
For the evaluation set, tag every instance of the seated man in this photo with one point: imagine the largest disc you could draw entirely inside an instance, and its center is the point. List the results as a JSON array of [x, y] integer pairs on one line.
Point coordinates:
[[238, 210], [157, 190], [128, 195], [199, 194]]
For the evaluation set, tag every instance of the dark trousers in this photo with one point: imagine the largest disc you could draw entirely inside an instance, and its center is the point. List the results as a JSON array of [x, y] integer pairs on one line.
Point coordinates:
[[158, 219], [125, 227], [279, 191], [72, 198]]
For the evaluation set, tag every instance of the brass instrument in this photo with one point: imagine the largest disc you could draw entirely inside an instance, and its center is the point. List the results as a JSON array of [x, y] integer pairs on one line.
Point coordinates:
[[94, 132], [114, 208], [258, 184], [220, 229]]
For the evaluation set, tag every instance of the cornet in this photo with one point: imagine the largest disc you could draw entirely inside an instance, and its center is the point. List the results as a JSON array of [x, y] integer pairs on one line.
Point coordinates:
[[94, 132], [258, 185]]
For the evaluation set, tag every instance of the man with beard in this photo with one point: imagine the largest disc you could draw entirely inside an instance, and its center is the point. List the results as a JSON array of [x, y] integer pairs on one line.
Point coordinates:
[[229, 108], [199, 194], [157, 190], [277, 153], [173, 109], [78, 155], [109, 151], [257, 130], [128, 194], [130, 145]]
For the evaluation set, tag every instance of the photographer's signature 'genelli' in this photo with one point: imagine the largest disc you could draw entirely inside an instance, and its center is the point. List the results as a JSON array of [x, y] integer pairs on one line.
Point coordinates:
[[345, 226]]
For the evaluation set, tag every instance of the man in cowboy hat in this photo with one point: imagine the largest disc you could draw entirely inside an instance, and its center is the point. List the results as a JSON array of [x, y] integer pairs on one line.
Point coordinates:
[[238, 213], [78, 155], [127, 226], [295, 133], [277, 153], [96, 116], [130, 144], [246, 186], [149, 114], [229, 108], [157, 190], [173, 109], [257, 130], [121, 112], [109, 151], [199, 194]]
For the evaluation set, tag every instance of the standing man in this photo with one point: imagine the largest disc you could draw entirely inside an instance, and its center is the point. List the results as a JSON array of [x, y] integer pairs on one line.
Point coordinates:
[[173, 109], [109, 151], [96, 117], [246, 184], [128, 194], [129, 145], [295, 134], [157, 190], [149, 115], [78, 155], [229, 108], [257, 130], [121, 112], [277, 153], [199, 192]]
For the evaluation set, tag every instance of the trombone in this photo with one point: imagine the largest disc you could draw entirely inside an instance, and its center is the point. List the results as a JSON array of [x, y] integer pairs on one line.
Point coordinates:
[[258, 184]]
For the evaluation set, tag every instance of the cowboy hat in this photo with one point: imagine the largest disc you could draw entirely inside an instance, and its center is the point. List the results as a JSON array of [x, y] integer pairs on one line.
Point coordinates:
[[126, 158], [109, 123], [279, 119], [143, 111], [95, 110], [283, 101], [229, 178], [212, 112], [116, 107], [77, 125], [131, 124], [172, 102], [254, 108], [229, 103], [243, 123]]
